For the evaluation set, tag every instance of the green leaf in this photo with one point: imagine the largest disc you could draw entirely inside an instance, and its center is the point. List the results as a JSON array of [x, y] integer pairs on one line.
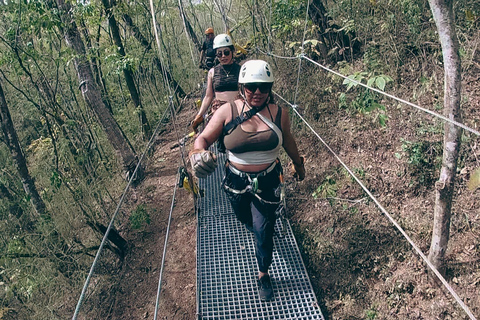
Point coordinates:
[[371, 81], [380, 82]]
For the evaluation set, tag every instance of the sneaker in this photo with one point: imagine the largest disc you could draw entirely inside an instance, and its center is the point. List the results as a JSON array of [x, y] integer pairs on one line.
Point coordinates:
[[265, 290]]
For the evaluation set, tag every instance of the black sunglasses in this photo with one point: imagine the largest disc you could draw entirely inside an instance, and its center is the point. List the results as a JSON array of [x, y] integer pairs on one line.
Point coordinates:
[[264, 87], [226, 53]]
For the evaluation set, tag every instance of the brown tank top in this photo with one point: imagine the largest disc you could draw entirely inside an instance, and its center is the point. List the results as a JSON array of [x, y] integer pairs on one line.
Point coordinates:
[[225, 77], [240, 141]]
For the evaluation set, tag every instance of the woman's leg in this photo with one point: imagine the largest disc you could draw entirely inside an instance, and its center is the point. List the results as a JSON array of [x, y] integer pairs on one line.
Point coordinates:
[[263, 228]]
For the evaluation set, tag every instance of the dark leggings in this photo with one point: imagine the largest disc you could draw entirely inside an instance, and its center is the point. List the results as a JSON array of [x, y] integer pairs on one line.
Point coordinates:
[[257, 216]]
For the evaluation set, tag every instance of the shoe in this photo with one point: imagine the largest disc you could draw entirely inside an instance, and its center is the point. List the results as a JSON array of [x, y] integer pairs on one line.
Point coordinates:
[[265, 290]]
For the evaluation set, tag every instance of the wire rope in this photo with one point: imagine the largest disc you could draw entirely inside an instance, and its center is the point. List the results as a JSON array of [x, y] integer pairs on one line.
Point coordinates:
[[303, 50], [182, 12], [461, 125], [270, 27], [303, 56], [172, 108], [167, 233], [165, 77], [110, 225], [277, 56], [392, 220]]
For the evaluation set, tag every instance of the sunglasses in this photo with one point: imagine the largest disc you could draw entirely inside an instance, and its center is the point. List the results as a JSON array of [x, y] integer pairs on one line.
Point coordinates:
[[264, 87], [226, 53]]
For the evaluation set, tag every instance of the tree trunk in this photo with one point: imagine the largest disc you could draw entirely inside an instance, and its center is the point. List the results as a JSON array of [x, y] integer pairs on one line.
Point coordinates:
[[19, 160], [127, 72], [444, 19], [91, 93], [188, 26], [329, 34], [96, 68], [143, 41]]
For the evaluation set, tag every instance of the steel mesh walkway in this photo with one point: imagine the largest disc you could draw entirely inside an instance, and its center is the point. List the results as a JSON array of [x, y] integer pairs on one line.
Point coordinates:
[[227, 268]]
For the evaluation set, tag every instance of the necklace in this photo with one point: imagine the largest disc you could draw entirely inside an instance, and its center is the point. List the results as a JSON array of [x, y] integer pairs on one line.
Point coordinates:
[[225, 70]]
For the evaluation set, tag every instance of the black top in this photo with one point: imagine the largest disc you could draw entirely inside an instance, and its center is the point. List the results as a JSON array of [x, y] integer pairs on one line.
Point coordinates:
[[225, 77]]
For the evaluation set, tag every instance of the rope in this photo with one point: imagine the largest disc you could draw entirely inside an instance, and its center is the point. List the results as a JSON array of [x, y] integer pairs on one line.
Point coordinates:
[[110, 225], [303, 51], [269, 27], [182, 13], [303, 56], [461, 125], [277, 56], [167, 233], [165, 78], [392, 220]]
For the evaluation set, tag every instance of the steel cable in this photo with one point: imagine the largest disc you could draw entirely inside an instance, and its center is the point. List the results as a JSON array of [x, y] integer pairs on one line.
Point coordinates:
[[392, 220]]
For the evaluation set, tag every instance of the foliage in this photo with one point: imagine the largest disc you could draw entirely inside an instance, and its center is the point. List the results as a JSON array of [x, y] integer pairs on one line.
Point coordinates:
[[327, 189], [288, 18], [367, 101], [423, 159], [139, 217]]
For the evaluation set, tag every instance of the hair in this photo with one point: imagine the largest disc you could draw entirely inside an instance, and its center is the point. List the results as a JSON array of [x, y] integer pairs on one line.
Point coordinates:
[[232, 49]]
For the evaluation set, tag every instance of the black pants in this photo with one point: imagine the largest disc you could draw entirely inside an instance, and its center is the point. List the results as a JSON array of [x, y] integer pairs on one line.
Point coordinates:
[[257, 216]]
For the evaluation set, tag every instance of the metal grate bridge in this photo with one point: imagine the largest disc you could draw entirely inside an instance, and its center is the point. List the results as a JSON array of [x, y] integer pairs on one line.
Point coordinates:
[[227, 268]]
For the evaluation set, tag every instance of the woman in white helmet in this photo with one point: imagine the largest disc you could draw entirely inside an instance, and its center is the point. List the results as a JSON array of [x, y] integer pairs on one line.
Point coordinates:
[[252, 177], [222, 80]]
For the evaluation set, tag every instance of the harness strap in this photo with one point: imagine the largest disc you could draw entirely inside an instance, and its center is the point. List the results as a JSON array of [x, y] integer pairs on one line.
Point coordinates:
[[252, 178], [243, 174], [229, 127]]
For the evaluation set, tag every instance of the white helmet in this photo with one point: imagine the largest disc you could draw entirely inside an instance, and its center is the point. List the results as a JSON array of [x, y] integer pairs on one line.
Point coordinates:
[[255, 71], [222, 40]]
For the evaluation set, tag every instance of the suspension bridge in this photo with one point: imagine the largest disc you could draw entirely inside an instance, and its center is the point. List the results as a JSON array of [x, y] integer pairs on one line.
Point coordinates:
[[226, 277]]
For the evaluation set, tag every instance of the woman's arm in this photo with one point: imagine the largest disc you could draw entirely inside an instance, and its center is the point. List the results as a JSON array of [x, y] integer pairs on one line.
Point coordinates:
[[209, 94], [214, 128], [290, 147], [289, 143]]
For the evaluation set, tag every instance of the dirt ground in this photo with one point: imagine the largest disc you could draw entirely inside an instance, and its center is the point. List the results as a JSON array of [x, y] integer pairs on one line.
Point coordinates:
[[361, 267]]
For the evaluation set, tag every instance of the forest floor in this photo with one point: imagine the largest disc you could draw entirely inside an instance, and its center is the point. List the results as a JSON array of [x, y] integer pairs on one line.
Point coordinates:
[[359, 264]]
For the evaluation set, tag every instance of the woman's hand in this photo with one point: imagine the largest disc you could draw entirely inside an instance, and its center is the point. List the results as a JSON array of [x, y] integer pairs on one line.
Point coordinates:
[[298, 169], [196, 122], [203, 162]]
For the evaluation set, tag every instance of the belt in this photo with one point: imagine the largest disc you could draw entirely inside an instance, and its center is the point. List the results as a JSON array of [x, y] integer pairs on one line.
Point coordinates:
[[252, 178], [243, 174]]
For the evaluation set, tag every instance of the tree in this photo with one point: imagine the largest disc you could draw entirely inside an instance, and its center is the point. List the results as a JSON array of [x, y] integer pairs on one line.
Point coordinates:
[[11, 140], [91, 93], [444, 19], [127, 72], [146, 44], [188, 26], [331, 35]]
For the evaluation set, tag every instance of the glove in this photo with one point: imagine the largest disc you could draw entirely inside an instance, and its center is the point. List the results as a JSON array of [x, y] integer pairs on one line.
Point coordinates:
[[298, 170], [203, 162], [196, 122]]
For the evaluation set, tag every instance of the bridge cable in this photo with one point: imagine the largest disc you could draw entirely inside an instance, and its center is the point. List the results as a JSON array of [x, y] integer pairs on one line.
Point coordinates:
[[181, 150], [303, 56], [182, 13], [157, 39], [110, 225], [392, 220], [269, 48], [167, 233], [303, 51], [461, 125]]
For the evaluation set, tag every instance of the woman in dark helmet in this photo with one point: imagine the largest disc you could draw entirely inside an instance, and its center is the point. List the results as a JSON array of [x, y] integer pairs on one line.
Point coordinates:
[[252, 177], [222, 80]]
